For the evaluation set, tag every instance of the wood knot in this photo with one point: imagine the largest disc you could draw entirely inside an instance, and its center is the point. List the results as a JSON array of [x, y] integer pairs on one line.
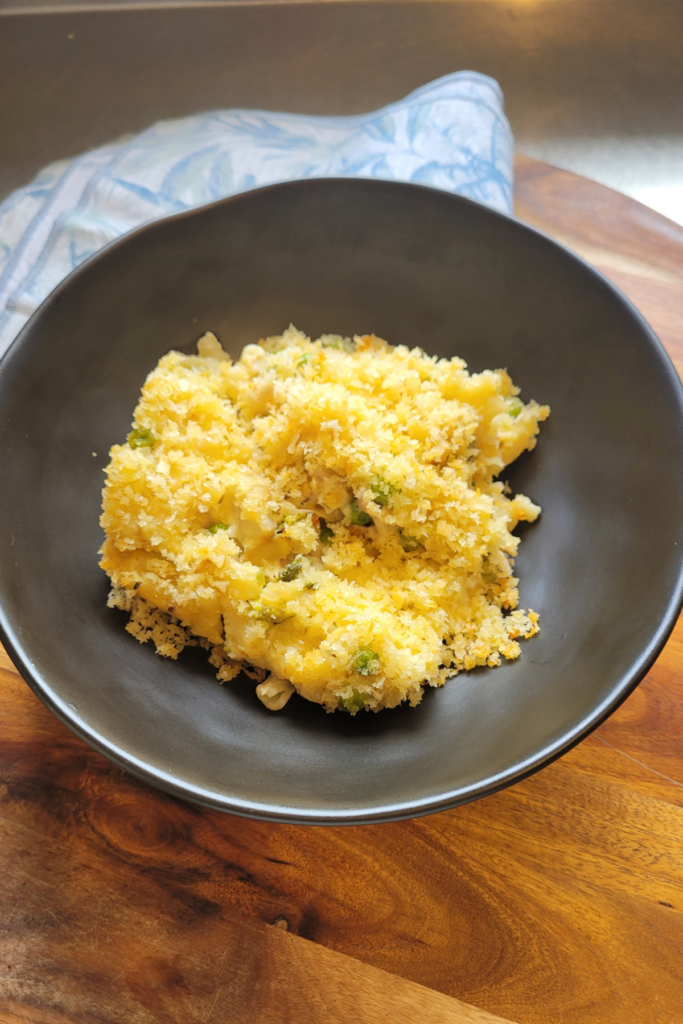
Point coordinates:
[[135, 822]]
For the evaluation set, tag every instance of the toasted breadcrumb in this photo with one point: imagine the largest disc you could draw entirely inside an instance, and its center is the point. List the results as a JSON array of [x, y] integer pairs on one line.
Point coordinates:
[[322, 512]]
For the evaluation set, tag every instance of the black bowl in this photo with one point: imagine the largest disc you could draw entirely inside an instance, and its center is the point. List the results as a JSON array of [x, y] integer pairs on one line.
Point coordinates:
[[418, 267]]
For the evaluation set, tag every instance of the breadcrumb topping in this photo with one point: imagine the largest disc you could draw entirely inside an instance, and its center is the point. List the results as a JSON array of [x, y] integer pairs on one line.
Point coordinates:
[[325, 513]]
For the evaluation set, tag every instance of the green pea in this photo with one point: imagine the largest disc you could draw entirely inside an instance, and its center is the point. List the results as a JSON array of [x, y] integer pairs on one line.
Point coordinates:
[[515, 407], [409, 543], [141, 437], [366, 661], [356, 702], [357, 516], [218, 526], [382, 491]]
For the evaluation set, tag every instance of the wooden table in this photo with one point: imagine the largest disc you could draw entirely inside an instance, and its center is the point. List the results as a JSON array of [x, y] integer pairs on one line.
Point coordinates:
[[559, 900]]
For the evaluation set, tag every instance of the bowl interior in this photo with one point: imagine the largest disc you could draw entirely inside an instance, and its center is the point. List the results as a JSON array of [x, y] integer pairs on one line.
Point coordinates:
[[418, 267]]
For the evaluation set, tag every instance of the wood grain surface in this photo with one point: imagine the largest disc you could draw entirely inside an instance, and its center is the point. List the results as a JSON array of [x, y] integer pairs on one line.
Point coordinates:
[[558, 901]]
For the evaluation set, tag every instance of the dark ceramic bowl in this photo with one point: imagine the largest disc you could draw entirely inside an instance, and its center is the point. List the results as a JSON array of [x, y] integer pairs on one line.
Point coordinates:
[[419, 267]]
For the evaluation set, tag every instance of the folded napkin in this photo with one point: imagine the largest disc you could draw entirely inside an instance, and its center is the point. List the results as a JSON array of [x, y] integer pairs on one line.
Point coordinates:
[[450, 134]]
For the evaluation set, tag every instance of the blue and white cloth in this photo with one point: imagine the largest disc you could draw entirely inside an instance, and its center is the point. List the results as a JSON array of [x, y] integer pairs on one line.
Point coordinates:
[[451, 134]]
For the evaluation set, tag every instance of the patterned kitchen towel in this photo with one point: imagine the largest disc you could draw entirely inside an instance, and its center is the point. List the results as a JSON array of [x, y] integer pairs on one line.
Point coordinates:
[[451, 134]]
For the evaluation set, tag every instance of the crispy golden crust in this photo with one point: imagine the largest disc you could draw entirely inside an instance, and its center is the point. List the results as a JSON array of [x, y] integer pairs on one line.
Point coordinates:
[[326, 511]]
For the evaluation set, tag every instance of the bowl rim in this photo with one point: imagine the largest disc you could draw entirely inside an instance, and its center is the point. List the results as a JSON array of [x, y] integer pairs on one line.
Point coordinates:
[[522, 769]]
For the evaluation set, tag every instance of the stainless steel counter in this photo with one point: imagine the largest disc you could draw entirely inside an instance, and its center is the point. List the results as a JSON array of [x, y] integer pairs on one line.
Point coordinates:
[[595, 86]]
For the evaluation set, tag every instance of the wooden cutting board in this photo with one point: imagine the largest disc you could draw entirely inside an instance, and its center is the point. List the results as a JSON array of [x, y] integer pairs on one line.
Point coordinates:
[[559, 901]]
